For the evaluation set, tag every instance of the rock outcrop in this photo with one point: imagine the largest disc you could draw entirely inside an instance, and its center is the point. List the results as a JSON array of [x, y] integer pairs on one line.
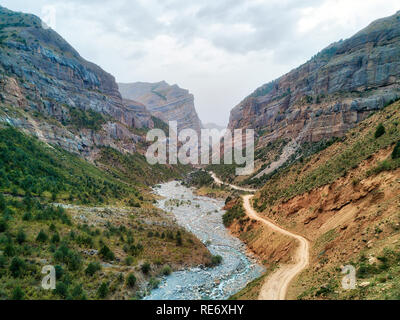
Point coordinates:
[[49, 90], [332, 92], [169, 103]]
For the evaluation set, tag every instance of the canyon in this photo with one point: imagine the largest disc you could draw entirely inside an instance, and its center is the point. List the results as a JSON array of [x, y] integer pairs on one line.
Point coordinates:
[[77, 191]]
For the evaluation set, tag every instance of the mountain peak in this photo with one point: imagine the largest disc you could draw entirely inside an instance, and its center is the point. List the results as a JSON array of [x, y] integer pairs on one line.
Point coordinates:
[[167, 102]]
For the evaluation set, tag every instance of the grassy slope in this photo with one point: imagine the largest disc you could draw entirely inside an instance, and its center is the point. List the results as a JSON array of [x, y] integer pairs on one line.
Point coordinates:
[[30, 166], [133, 168], [264, 155], [345, 199], [335, 162], [34, 175]]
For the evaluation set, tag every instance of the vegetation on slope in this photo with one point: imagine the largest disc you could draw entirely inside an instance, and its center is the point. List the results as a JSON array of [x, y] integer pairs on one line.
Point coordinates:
[[360, 144], [134, 168], [345, 200], [199, 179], [92, 260], [97, 251], [234, 211], [28, 166], [263, 156], [84, 119]]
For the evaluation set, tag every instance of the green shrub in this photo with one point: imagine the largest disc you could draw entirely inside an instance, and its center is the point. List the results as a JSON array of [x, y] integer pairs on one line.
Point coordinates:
[[199, 179], [216, 260], [21, 236], [179, 240], [27, 216], [385, 165], [106, 253], [154, 283], [61, 289], [42, 236], [2, 199], [103, 290], [3, 226], [74, 261], [131, 280], [17, 267], [92, 268], [366, 270], [17, 294], [326, 289], [166, 271], [3, 261], [55, 238], [9, 250], [78, 293], [396, 151], [59, 272], [128, 260], [380, 131], [234, 213], [146, 268], [69, 257]]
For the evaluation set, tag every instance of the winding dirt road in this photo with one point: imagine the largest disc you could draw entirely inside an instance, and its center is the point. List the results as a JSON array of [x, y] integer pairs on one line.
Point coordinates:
[[276, 285], [220, 182]]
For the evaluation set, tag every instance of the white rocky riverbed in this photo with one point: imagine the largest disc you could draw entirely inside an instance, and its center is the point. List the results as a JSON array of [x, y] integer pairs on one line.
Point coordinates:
[[203, 217]]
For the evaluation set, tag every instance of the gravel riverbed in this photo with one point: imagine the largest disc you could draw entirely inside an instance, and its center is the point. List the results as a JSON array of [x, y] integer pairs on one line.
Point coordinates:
[[203, 217]]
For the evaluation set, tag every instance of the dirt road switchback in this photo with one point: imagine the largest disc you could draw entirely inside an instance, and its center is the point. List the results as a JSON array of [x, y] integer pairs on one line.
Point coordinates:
[[277, 284]]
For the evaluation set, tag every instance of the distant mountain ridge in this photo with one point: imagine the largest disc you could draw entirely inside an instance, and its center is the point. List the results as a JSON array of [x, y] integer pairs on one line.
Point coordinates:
[[167, 102], [213, 126]]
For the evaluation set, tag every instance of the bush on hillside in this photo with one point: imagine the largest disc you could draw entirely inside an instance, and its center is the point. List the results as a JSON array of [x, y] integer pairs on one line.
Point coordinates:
[[380, 131], [131, 280], [102, 292], [146, 268], [396, 151], [92, 268]]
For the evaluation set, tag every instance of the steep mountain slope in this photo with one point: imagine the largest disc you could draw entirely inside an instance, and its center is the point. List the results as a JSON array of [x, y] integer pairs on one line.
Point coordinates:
[[169, 103], [345, 201], [93, 220], [47, 217], [331, 93], [49, 90]]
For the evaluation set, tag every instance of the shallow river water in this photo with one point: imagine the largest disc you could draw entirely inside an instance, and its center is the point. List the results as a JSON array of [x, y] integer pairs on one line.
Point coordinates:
[[203, 217]]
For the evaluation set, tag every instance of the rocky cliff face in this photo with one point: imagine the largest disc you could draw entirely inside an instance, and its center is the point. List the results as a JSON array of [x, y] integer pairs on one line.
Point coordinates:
[[332, 92], [169, 103], [49, 90]]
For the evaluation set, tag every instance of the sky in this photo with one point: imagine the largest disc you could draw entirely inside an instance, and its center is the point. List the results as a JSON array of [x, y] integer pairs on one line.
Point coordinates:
[[220, 50]]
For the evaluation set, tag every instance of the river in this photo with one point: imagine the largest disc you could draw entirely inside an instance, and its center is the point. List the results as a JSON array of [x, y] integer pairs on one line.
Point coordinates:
[[203, 217]]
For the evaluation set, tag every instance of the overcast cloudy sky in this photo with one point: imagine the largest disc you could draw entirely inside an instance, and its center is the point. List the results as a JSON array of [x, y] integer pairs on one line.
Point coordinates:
[[221, 50]]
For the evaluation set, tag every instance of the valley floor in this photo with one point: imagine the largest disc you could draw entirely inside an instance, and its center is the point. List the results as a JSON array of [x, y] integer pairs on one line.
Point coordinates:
[[276, 283]]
